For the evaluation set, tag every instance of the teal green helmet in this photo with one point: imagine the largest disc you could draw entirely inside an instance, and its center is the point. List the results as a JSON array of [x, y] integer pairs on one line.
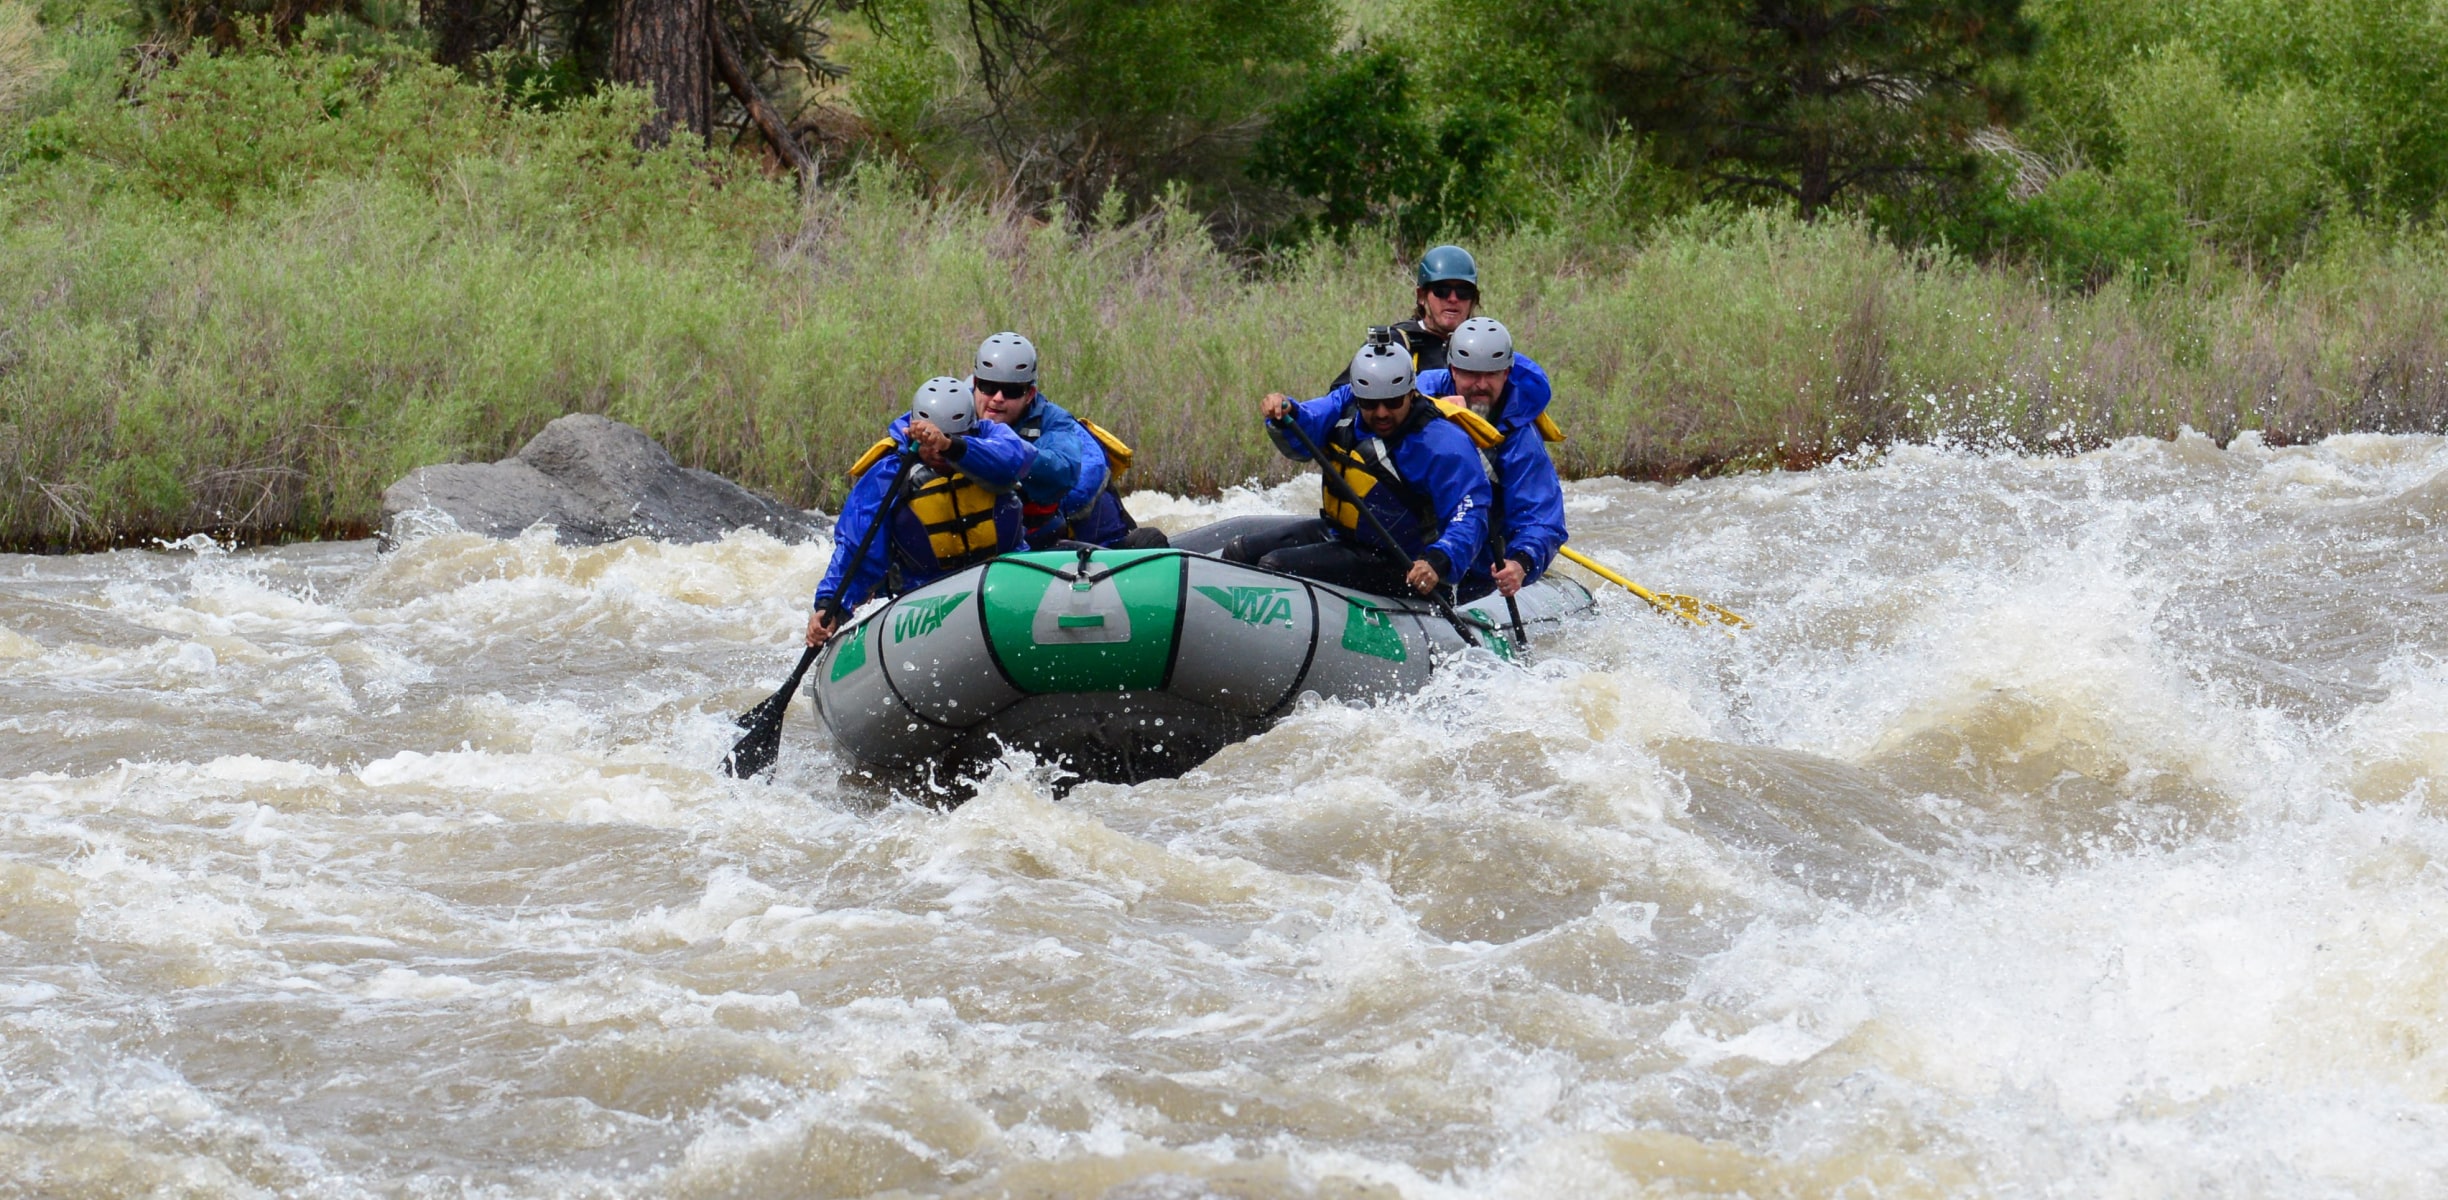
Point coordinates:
[[1448, 262]]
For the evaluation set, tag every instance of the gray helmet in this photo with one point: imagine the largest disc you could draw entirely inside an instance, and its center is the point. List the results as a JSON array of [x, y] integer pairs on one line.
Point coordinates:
[[1007, 358], [947, 402], [1448, 262], [1381, 372], [1480, 344]]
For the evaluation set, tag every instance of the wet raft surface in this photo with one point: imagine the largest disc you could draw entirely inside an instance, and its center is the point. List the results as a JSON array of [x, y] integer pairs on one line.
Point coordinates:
[[1131, 665], [2064, 828]]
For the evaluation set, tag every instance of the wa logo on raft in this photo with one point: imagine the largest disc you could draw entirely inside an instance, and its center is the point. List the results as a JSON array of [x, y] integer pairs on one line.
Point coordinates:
[[918, 618], [1254, 605]]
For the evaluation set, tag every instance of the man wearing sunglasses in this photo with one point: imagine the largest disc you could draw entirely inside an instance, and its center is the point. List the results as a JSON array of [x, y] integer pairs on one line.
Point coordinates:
[[1511, 392], [1448, 294], [1417, 471], [1068, 493]]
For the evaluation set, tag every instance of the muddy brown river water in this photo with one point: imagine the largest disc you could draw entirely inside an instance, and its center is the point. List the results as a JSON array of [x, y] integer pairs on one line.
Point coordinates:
[[2065, 827]]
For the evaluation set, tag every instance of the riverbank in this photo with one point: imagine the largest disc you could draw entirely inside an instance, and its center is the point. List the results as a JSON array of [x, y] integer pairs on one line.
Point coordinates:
[[400, 270], [263, 377]]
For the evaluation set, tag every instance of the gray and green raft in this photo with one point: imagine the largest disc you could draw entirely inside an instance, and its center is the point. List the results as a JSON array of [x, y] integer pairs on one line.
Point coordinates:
[[1127, 664]]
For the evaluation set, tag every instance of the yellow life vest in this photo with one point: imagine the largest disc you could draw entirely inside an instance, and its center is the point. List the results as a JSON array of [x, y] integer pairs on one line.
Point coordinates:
[[875, 454], [957, 512], [1118, 454], [1363, 475], [1482, 433], [1354, 470], [958, 515], [1485, 433]]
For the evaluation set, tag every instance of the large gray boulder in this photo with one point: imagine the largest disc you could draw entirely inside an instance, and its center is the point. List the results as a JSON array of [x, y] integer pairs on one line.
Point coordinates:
[[593, 480]]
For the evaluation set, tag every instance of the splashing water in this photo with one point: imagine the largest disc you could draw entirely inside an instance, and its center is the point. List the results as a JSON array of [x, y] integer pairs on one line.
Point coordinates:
[[2065, 827]]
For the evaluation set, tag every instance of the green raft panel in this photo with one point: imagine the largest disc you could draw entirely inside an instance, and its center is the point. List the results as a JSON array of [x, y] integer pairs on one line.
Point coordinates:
[[1124, 665]]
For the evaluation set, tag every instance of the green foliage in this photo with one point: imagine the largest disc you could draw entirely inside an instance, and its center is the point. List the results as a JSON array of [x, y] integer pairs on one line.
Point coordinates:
[[2089, 228], [228, 23], [1357, 142], [2383, 75], [83, 49], [2354, 86], [1808, 100], [2244, 165], [897, 81], [2080, 230], [245, 131], [26, 65], [271, 370], [1075, 98]]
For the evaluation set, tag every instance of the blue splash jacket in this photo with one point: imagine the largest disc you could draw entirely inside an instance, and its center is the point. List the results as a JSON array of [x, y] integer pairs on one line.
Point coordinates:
[[1065, 488], [1435, 459], [1529, 517], [991, 454]]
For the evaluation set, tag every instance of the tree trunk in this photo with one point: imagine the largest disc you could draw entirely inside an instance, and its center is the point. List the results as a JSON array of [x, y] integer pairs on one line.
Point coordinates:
[[1817, 187], [458, 29], [660, 45]]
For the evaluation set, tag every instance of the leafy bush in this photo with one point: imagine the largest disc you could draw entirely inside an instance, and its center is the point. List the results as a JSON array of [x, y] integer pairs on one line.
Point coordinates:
[[1358, 143], [1075, 99], [2358, 80], [2088, 228], [1816, 102], [2244, 165], [243, 131]]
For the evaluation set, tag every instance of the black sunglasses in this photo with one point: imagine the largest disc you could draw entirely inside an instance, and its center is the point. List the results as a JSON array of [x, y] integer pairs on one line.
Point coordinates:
[[1366, 403], [1445, 289], [1009, 391]]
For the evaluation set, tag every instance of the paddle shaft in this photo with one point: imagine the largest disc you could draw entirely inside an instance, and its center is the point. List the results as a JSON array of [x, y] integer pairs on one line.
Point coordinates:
[[755, 749], [1521, 635], [1600, 570], [1386, 540], [883, 517]]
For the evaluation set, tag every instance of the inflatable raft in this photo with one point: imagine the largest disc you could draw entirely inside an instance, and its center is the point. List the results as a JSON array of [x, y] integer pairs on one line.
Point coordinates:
[[1125, 665]]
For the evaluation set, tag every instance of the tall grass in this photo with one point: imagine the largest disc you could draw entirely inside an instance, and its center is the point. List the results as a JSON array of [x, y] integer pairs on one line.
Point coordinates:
[[256, 346], [24, 65]]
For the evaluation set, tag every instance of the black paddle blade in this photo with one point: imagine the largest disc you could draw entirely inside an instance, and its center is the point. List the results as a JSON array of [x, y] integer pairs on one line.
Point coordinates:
[[758, 747]]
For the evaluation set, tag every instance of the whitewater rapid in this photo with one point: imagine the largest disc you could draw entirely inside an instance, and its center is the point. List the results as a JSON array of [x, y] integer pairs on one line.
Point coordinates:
[[2063, 827]]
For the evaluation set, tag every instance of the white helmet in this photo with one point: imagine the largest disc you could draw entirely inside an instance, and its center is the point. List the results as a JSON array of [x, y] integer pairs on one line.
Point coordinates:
[[1381, 372], [1007, 358], [1480, 345], [947, 402]]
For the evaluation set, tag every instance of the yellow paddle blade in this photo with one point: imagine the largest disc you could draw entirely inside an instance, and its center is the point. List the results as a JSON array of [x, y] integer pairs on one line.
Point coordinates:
[[1696, 611]]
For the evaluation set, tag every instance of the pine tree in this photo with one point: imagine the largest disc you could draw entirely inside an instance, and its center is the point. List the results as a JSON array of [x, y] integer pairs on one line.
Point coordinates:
[[660, 46], [1806, 99]]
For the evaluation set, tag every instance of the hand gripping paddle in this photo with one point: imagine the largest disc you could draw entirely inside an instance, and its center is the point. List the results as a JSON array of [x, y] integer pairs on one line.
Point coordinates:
[[757, 748]]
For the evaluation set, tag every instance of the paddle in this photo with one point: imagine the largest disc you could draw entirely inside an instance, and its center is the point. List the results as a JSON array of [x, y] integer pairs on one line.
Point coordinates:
[[757, 748], [1685, 607], [1385, 537], [1521, 636]]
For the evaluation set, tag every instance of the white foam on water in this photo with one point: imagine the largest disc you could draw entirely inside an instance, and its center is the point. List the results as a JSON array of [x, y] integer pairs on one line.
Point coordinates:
[[2062, 827]]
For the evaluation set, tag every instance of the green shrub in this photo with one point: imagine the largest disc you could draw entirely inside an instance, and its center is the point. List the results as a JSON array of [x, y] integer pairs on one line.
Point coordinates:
[[2243, 164], [2361, 75], [244, 131], [2088, 228]]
